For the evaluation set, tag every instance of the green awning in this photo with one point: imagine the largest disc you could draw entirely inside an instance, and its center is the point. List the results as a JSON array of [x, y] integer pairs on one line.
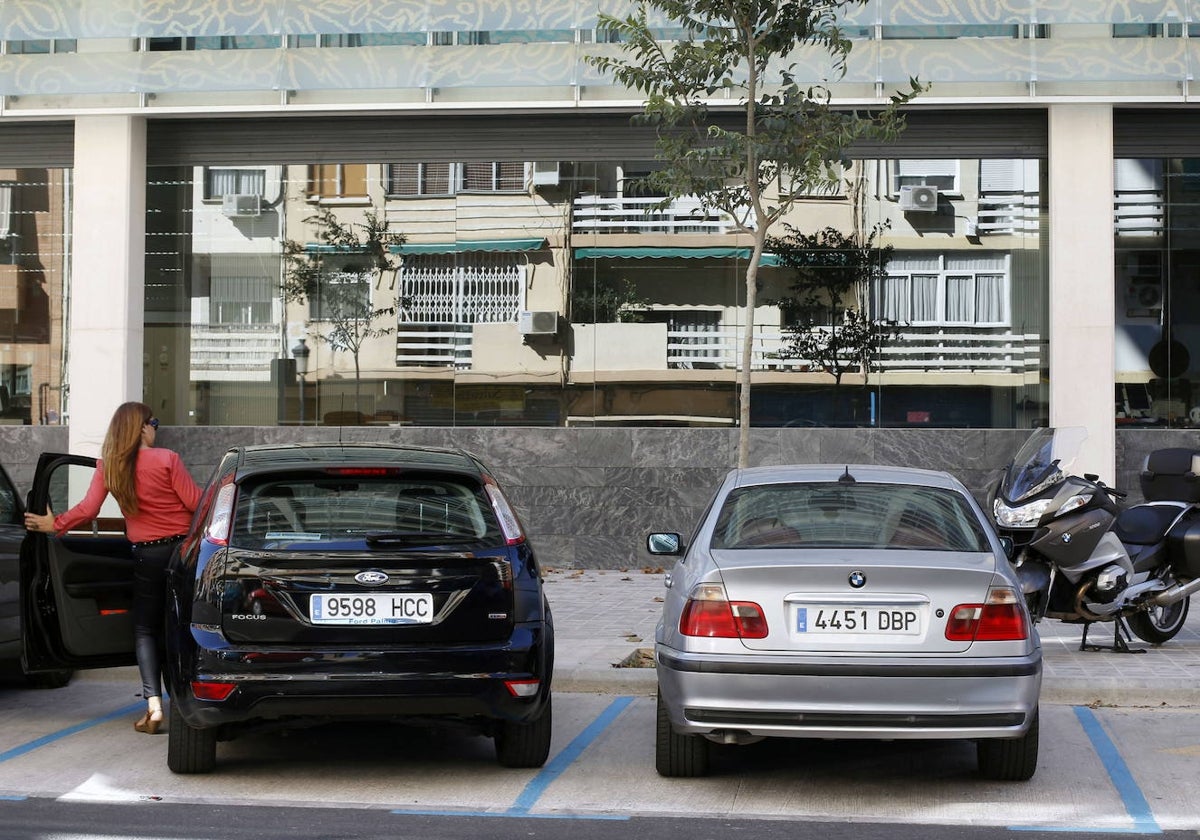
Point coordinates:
[[463, 245], [635, 252]]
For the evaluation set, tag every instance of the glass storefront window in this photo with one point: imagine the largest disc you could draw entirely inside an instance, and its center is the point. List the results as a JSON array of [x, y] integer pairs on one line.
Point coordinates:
[[558, 294], [34, 256], [1157, 229]]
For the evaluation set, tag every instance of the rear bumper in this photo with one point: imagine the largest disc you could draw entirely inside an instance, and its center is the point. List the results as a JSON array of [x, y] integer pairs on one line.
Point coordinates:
[[824, 697], [459, 683]]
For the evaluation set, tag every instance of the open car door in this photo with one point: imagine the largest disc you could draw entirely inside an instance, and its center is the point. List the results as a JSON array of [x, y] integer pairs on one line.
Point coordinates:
[[77, 589]]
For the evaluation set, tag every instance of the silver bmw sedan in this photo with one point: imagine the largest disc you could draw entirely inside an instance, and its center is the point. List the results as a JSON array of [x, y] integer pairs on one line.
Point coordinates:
[[844, 601]]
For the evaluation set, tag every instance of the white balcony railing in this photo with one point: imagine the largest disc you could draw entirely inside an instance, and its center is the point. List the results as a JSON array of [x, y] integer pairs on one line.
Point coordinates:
[[1009, 214], [918, 349], [233, 352], [613, 214], [949, 349]]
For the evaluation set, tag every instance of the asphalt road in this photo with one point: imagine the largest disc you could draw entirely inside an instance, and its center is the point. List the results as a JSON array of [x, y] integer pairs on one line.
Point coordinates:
[[72, 753]]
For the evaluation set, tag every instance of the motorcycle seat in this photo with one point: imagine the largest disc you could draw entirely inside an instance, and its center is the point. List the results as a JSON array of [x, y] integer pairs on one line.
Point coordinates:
[[1145, 524]]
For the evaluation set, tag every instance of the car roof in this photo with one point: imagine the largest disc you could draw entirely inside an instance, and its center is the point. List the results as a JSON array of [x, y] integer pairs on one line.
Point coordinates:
[[258, 458], [832, 472]]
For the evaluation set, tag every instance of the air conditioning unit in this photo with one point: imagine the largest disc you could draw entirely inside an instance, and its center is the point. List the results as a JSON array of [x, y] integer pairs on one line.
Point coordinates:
[[918, 199], [545, 173], [237, 205], [1143, 298], [537, 322]]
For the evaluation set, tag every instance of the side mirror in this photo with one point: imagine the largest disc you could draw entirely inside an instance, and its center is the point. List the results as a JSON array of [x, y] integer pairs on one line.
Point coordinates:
[[665, 543], [1010, 548]]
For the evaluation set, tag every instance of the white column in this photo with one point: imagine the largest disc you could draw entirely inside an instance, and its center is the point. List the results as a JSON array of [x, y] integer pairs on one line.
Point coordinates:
[[108, 266], [1082, 342]]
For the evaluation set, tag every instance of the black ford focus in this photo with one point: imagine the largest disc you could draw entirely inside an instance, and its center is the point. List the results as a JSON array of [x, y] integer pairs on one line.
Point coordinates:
[[319, 582]]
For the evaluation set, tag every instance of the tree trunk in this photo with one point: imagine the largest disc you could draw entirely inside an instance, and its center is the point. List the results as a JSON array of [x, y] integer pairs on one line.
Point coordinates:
[[743, 450]]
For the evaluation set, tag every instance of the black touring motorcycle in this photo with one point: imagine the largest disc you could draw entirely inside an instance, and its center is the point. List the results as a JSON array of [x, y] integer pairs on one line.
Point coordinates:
[[1083, 557]]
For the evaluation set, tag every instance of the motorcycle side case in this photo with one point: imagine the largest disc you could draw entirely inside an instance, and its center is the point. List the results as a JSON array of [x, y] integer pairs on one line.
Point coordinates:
[[1183, 547], [1071, 546]]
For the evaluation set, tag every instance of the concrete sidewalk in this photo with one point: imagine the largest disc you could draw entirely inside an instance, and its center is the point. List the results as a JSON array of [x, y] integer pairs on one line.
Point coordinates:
[[603, 618]]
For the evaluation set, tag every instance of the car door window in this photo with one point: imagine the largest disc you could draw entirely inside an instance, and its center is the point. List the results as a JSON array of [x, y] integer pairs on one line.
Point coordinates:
[[68, 484]]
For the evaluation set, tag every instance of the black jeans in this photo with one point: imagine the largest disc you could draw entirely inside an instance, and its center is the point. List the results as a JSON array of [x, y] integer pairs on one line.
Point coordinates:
[[149, 600]]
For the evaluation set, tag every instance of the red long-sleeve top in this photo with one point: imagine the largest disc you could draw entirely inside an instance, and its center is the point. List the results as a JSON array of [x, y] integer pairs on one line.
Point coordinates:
[[166, 494]]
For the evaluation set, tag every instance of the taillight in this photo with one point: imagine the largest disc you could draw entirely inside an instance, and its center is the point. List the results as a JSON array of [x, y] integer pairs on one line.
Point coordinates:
[[212, 690], [710, 614], [522, 688], [999, 619], [222, 516], [509, 524]]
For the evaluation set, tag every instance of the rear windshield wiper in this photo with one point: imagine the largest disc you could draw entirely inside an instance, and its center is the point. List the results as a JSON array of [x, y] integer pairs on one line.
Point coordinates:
[[416, 537]]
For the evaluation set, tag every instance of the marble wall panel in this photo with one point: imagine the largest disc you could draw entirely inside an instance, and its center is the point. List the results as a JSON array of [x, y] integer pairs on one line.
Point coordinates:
[[588, 497]]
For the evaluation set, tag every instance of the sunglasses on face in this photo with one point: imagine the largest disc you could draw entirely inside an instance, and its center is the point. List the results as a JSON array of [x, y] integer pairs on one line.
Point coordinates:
[[152, 423]]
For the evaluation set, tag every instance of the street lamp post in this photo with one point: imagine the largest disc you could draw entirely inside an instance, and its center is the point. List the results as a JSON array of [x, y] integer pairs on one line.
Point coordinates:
[[300, 354]]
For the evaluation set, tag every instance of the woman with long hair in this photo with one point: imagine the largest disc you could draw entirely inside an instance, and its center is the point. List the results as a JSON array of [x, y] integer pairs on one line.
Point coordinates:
[[157, 497]]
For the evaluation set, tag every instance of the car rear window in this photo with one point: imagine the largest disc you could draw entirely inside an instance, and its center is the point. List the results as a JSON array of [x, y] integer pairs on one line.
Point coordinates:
[[836, 515], [336, 508]]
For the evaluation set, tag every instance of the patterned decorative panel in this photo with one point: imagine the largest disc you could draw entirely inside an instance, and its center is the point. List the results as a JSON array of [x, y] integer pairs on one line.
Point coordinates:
[[1079, 49]]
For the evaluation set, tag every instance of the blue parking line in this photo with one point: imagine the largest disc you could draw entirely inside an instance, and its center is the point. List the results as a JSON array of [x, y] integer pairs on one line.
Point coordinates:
[[547, 775], [1134, 800], [17, 752]]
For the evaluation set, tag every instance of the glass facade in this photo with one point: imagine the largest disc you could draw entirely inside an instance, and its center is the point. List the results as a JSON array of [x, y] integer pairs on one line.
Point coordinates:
[[561, 294], [34, 258], [1158, 297]]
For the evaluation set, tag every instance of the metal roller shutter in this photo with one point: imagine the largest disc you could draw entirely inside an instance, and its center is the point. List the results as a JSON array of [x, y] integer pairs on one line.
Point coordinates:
[[1001, 133], [1156, 132], [37, 145]]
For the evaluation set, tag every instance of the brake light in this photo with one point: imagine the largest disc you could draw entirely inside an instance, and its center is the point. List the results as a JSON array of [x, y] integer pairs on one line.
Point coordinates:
[[710, 614], [217, 691], [999, 619], [514, 534], [222, 516], [374, 471]]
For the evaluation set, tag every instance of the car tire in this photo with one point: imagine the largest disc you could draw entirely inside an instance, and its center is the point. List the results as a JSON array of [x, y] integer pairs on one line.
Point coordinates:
[[675, 755], [189, 750], [1010, 759], [525, 744], [50, 679], [1160, 624]]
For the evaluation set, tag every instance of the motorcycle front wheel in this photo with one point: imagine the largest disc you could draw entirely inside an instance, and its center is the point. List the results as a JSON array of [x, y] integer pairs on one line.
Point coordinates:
[[1160, 624]]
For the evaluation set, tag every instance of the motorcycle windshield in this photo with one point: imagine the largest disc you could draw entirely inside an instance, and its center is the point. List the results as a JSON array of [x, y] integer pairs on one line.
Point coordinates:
[[1043, 461]]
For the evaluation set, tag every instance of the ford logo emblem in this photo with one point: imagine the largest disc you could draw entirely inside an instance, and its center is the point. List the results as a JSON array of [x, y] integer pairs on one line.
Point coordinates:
[[370, 578], [857, 579]]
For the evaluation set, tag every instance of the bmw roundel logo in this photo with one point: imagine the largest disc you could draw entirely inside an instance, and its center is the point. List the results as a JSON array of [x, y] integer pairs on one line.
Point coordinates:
[[369, 578], [857, 579]]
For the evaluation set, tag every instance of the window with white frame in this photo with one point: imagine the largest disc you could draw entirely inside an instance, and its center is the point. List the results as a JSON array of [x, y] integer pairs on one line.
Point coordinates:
[[241, 300], [936, 289], [220, 181], [942, 174], [418, 179], [499, 176]]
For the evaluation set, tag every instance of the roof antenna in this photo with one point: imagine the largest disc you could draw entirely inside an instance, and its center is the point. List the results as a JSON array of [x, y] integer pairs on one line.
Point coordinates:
[[846, 478]]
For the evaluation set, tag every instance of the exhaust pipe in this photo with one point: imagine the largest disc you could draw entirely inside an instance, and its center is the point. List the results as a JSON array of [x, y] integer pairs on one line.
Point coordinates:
[[1176, 593]]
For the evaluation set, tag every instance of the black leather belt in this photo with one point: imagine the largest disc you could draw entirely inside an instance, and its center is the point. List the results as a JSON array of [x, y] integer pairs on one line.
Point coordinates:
[[160, 541]]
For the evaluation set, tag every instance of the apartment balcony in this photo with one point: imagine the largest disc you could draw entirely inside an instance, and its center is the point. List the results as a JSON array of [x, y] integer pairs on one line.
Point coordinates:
[[917, 350], [635, 350], [233, 352], [595, 214]]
